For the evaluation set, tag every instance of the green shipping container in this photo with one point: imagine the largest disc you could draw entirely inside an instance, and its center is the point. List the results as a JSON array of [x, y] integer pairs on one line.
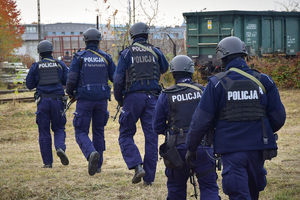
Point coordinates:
[[265, 33]]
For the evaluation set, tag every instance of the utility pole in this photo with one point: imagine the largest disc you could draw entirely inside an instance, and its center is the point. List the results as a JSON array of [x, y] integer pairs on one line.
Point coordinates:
[[133, 11], [129, 11], [39, 21]]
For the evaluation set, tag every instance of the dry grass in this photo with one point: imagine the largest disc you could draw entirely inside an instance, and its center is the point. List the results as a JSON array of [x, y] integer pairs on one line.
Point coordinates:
[[22, 177]]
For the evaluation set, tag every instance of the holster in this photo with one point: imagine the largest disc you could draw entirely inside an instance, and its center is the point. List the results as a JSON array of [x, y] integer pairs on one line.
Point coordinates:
[[268, 154], [169, 152], [170, 155], [37, 98]]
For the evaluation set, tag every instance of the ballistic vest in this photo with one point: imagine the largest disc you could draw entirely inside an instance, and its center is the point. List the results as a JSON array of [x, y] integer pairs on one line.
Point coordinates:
[[143, 67], [93, 82], [93, 71], [183, 100], [242, 99], [48, 72]]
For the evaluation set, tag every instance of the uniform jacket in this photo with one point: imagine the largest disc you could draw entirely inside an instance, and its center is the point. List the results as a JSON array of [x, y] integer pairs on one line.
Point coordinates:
[[33, 78], [236, 136], [123, 64]]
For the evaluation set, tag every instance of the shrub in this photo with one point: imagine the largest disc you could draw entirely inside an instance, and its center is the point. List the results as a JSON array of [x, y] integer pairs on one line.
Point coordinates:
[[283, 70]]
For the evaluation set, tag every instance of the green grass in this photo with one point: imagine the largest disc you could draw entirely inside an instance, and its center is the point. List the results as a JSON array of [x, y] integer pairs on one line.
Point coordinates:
[[21, 175]]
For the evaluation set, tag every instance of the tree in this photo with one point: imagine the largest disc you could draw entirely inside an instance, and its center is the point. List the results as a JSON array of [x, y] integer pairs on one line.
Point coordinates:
[[10, 28], [291, 6]]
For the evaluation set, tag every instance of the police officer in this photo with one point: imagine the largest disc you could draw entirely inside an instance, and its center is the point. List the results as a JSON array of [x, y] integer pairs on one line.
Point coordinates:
[[245, 109], [67, 59], [48, 77], [136, 88], [88, 77], [172, 117]]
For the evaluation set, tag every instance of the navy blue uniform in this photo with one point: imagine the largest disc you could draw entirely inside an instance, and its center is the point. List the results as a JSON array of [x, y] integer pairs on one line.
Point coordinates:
[[177, 178], [239, 142], [50, 107], [138, 104], [88, 76]]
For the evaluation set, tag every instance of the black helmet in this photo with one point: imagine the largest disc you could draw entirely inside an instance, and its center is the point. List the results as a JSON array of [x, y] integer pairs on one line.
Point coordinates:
[[182, 63], [44, 46], [230, 45], [92, 34], [139, 28]]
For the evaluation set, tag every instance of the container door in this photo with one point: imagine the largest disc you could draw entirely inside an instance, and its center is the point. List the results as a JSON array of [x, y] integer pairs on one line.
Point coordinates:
[[192, 35], [292, 36], [267, 37], [278, 36], [252, 36]]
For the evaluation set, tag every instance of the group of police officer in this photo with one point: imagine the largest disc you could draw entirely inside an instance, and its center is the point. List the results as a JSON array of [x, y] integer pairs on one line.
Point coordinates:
[[240, 108]]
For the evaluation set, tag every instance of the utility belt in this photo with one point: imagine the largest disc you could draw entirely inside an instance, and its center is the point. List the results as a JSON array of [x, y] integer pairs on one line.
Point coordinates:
[[52, 96], [38, 97], [148, 92]]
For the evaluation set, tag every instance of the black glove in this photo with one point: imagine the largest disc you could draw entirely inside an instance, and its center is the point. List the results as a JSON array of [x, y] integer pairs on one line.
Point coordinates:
[[189, 156], [72, 98], [121, 103]]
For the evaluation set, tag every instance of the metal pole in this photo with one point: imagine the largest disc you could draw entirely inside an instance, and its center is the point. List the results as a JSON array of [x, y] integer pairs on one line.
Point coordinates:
[[129, 11], [133, 11], [174, 45], [39, 21], [97, 19]]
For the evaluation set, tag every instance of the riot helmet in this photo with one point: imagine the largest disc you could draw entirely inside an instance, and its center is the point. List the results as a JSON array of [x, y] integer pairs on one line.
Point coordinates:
[[182, 63], [230, 45], [44, 46], [139, 28], [92, 34]]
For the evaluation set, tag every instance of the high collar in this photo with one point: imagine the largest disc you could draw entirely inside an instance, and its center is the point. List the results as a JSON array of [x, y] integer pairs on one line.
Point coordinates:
[[140, 39], [184, 80], [92, 46], [237, 63], [49, 57]]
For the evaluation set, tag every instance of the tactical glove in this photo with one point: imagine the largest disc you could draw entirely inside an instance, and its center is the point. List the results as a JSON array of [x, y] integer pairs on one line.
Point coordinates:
[[189, 156], [121, 103]]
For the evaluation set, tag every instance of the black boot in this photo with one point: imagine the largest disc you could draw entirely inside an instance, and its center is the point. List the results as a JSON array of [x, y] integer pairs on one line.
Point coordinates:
[[139, 173], [93, 162], [62, 155], [47, 166]]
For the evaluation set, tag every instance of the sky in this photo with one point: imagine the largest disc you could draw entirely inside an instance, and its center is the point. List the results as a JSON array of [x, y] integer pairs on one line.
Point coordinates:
[[169, 11]]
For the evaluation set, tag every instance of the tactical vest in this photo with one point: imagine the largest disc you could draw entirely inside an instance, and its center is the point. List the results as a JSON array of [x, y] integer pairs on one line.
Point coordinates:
[[143, 67], [48, 72], [182, 102], [93, 83], [242, 99]]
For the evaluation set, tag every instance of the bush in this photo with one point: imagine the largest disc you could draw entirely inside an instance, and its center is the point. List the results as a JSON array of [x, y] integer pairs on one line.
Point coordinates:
[[283, 70]]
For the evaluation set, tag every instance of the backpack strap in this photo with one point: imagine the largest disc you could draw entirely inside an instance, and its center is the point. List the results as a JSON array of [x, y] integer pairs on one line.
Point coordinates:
[[189, 85], [94, 52], [146, 48], [249, 76]]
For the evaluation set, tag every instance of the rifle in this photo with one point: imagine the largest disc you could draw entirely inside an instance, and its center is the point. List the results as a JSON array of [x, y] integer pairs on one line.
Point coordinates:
[[72, 100], [193, 182], [118, 110]]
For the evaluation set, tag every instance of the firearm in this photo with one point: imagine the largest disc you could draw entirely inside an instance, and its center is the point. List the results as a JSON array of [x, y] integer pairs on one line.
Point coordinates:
[[193, 182], [72, 100], [162, 85], [118, 110]]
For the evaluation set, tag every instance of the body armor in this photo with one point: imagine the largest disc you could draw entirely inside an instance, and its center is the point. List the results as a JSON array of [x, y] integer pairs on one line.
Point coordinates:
[[48, 73], [144, 66], [182, 100], [242, 99]]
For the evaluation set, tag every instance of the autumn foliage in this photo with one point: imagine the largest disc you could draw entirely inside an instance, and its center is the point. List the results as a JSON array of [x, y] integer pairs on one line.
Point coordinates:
[[284, 71], [10, 28]]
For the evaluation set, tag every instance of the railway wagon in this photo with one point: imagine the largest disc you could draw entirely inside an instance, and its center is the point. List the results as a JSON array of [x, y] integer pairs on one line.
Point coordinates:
[[265, 33]]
